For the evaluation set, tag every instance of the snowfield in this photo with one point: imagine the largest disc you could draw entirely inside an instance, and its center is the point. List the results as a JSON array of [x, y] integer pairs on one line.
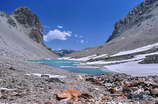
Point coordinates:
[[78, 59], [84, 58], [128, 66], [134, 69], [136, 58], [145, 48]]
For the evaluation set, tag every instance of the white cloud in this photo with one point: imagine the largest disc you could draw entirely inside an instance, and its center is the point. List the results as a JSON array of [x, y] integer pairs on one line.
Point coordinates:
[[60, 27], [57, 34], [82, 41]]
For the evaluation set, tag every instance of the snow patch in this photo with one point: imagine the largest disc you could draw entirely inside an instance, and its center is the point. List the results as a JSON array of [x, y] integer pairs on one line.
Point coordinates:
[[145, 48], [50, 76], [7, 89], [136, 58], [100, 56], [78, 59], [135, 69], [84, 58]]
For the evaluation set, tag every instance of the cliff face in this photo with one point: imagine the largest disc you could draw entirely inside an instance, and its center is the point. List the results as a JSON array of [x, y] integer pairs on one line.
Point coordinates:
[[137, 29], [21, 35], [25, 17], [134, 17]]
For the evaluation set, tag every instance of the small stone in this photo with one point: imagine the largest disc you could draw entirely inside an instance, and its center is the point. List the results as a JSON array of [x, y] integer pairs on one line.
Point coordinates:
[[48, 103], [73, 94], [55, 80], [138, 91], [12, 68], [86, 96], [149, 102], [81, 78], [106, 98], [154, 91], [44, 76], [108, 84]]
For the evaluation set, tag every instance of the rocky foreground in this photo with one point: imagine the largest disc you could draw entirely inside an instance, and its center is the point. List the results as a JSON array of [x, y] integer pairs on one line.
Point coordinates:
[[122, 88], [21, 85]]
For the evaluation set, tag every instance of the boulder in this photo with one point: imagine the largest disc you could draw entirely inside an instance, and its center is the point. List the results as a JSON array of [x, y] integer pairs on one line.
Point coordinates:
[[57, 80], [72, 94], [154, 92]]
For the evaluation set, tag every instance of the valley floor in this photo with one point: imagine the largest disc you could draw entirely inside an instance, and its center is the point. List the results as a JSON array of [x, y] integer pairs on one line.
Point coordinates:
[[33, 83]]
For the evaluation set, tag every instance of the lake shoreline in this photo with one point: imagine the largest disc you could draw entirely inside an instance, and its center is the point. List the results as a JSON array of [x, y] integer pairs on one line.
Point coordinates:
[[72, 66], [35, 82]]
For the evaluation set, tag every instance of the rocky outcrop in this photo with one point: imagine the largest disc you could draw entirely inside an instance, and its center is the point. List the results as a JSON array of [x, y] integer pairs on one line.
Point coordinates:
[[127, 87], [9, 19], [151, 59], [21, 35], [36, 35], [25, 17], [134, 17]]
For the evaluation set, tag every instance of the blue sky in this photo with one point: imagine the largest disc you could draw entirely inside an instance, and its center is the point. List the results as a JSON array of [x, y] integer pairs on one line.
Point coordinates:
[[75, 24]]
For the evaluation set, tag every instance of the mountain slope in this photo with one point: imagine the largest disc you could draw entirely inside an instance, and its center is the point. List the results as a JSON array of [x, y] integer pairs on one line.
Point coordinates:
[[21, 35], [137, 29]]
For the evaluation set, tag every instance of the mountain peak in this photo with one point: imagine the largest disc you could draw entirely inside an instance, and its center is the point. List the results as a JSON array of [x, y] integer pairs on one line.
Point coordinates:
[[25, 16], [28, 19], [135, 17]]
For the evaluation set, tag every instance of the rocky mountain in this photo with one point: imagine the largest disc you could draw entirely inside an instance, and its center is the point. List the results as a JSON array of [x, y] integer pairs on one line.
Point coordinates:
[[27, 82], [134, 17], [21, 35], [29, 20], [137, 29]]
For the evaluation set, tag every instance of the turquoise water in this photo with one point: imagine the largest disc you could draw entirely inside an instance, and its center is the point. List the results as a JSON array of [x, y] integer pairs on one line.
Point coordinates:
[[71, 66]]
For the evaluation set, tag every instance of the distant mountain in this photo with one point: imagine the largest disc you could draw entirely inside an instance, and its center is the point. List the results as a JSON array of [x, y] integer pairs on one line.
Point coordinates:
[[21, 35], [63, 52], [139, 28]]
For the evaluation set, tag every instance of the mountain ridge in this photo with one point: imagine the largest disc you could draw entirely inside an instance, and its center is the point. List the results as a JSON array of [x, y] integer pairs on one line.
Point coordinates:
[[25, 17], [63, 52], [134, 17], [137, 35]]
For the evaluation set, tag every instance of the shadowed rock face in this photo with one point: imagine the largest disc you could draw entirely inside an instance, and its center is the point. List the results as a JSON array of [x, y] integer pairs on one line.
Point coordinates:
[[134, 17], [10, 20], [29, 20], [151, 59], [36, 35]]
